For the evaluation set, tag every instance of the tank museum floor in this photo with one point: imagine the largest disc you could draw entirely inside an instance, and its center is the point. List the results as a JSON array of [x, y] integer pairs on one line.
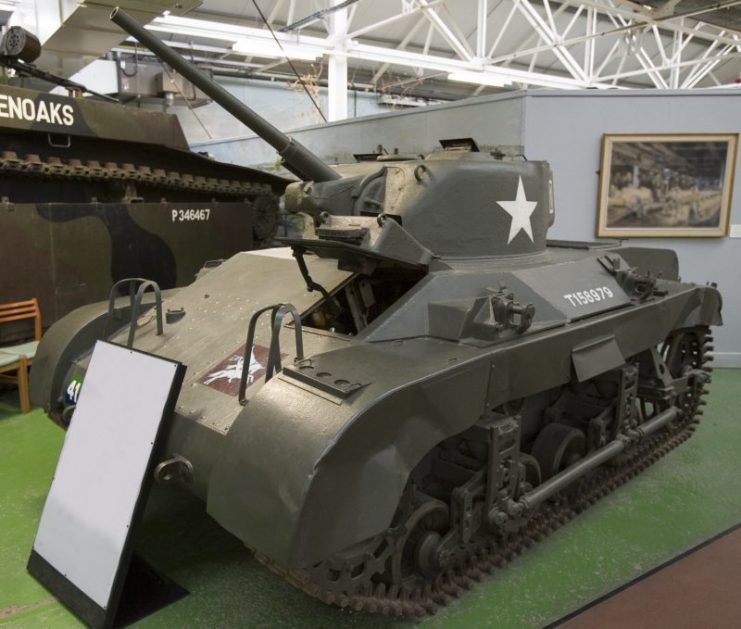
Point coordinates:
[[689, 496]]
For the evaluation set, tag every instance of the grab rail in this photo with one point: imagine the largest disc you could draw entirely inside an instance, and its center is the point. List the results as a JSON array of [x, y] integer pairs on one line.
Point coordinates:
[[278, 312], [135, 299]]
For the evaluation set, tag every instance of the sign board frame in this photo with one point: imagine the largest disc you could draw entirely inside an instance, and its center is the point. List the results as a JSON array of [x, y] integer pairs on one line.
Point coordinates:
[[83, 548]]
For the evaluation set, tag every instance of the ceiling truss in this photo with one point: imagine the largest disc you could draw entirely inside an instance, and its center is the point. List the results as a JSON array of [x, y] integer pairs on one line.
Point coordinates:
[[605, 44]]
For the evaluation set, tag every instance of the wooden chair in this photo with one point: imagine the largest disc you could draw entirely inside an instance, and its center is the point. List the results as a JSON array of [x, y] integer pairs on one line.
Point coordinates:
[[15, 360]]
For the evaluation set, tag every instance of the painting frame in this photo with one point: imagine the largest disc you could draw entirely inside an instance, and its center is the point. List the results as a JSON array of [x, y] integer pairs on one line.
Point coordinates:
[[660, 197]]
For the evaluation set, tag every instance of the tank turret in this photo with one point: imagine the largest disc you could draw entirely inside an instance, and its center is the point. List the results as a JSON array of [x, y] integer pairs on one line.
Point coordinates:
[[455, 203], [452, 204]]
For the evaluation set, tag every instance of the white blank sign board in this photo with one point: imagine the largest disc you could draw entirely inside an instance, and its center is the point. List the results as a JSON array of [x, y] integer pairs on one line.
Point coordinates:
[[106, 455]]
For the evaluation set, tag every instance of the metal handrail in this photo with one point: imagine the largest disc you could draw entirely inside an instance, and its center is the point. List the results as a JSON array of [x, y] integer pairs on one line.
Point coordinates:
[[135, 299], [274, 354], [277, 314]]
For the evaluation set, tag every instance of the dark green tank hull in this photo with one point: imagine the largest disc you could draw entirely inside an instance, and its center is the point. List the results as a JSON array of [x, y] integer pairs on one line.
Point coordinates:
[[69, 255], [420, 428]]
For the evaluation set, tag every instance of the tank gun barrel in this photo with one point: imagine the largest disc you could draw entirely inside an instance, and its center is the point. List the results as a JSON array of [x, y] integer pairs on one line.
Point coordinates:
[[297, 158]]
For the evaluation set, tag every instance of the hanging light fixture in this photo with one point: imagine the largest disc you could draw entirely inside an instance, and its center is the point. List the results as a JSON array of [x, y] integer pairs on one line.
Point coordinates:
[[479, 78], [271, 50]]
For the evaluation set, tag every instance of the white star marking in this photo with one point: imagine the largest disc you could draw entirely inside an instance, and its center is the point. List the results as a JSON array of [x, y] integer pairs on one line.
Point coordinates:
[[520, 210]]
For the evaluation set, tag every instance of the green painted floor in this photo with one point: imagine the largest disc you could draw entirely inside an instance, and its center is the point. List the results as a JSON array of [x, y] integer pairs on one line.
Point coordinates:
[[690, 495]]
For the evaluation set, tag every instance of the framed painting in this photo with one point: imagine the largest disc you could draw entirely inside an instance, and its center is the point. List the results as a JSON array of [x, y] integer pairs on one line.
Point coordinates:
[[666, 185]]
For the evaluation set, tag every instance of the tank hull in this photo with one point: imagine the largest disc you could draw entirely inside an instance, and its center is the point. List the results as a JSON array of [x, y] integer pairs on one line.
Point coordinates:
[[272, 472], [70, 255]]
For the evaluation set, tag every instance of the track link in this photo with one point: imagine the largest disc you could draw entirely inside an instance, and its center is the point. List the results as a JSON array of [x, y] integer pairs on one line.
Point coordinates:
[[32, 165]]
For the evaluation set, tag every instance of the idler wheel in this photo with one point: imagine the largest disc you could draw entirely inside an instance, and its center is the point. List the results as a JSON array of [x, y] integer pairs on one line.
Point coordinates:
[[425, 553], [557, 447], [416, 549]]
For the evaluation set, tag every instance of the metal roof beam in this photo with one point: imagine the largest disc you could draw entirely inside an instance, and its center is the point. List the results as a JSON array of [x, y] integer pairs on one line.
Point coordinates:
[[482, 14], [625, 27], [459, 47], [337, 70], [402, 45], [369, 28], [684, 64], [552, 38]]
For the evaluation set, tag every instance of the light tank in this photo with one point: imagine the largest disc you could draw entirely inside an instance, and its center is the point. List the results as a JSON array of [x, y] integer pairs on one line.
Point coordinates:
[[422, 385]]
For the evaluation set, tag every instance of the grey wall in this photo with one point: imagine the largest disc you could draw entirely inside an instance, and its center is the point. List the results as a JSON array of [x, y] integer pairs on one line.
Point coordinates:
[[492, 121], [566, 129], [281, 105]]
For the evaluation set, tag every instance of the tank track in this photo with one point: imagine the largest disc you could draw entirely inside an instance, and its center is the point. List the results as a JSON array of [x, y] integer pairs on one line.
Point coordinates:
[[484, 555], [32, 165]]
